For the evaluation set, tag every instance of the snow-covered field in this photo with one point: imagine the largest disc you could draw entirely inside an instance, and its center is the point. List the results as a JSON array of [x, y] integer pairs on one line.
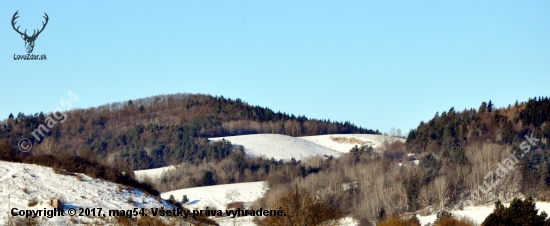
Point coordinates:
[[218, 196], [479, 213], [278, 146], [286, 147], [344, 142], [152, 173], [20, 183]]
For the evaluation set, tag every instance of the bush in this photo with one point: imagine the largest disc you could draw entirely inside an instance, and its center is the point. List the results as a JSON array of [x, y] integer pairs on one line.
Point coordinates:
[[32, 202], [445, 218], [442, 216], [452, 221], [235, 205], [396, 220], [184, 199], [301, 207]]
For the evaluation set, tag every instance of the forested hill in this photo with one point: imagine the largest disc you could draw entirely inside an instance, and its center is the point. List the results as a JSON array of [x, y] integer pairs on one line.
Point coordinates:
[[506, 125], [165, 129]]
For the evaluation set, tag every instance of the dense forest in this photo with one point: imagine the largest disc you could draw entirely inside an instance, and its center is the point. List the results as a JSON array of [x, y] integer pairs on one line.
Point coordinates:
[[160, 130], [488, 124], [461, 156]]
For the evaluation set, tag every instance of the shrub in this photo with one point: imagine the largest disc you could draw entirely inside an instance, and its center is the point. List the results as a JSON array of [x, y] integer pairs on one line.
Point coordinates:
[[396, 220], [442, 216], [235, 205], [32, 202], [171, 198], [184, 199], [452, 221], [301, 207]]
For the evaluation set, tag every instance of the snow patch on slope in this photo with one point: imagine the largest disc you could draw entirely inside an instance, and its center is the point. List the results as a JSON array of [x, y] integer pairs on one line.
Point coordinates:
[[277, 146], [286, 147], [152, 173], [218, 196], [20, 183], [344, 142]]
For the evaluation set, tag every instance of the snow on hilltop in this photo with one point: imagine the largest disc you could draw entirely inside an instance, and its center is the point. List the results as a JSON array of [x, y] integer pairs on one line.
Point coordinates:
[[286, 147], [21, 183]]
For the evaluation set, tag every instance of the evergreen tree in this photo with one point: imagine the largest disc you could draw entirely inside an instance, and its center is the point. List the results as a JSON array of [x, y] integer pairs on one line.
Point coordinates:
[[208, 179], [483, 107], [490, 106], [518, 213], [171, 198], [412, 187], [185, 199]]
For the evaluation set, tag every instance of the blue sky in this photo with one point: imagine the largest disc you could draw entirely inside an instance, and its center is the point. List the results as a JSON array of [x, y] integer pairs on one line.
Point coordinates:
[[378, 64]]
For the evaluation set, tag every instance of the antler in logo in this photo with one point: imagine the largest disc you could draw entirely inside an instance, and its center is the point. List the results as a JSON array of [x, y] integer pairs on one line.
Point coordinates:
[[29, 41]]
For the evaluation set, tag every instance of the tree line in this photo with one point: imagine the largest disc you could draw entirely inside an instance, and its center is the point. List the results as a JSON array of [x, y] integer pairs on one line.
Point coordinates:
[[166, 129]]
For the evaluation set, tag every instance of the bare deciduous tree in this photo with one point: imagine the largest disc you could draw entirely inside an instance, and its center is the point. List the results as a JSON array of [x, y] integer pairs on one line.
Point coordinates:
[[48, 146], [441, 189]]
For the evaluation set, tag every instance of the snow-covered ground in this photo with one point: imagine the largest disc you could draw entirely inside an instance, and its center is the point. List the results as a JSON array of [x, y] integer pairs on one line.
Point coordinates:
[[152, 173], [344, 142], [278, 146], [218, 196], [286, 147], [479, 213], [20, 183]]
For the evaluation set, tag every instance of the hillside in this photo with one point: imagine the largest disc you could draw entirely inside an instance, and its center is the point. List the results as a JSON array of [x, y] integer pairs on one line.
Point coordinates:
[[159, 130], [21, 184], [278, 146], [286, 147]]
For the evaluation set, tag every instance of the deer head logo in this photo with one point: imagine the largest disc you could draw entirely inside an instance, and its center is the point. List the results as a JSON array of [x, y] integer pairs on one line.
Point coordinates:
[[29, 41]]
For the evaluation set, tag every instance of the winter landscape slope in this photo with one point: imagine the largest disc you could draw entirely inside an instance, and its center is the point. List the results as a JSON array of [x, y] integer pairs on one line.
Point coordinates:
[[152, 173], [218, 196], [287, 147], [21, 183], [344, 142]]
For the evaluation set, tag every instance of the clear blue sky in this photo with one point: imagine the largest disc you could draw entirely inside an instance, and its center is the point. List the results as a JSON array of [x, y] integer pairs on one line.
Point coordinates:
[[378, 64]]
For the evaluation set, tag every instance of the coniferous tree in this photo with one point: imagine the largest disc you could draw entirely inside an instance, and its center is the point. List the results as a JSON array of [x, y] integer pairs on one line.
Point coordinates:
[[483, 107], [185, 199], [520, 212], [490, 106]]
